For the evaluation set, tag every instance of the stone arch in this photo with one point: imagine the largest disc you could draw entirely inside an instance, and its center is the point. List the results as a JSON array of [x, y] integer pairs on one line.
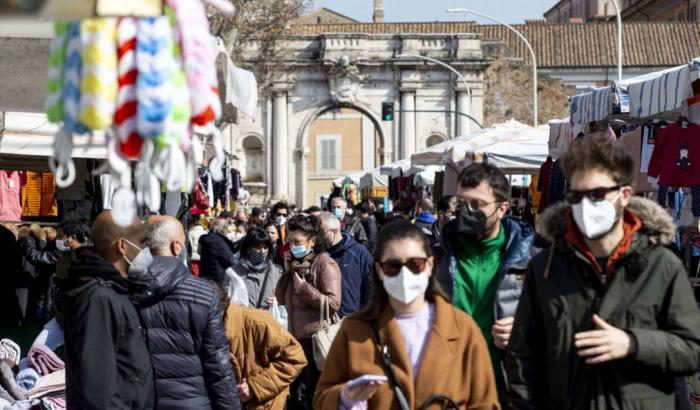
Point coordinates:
[[434, 138], [302, 138]]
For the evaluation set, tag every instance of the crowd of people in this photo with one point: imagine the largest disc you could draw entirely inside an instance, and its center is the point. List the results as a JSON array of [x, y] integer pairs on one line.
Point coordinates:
[[452, 304]]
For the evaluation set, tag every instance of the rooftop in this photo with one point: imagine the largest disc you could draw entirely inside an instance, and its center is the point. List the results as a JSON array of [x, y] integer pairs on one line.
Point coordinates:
[[656, 44]]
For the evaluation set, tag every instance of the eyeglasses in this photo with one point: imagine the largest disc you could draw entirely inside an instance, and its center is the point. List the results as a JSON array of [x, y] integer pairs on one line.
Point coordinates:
[[474, 205], [595, 195], [393, 267]]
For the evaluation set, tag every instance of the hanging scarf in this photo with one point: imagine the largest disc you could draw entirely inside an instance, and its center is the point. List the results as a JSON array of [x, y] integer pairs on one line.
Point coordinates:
[[130, 142], [303, 266], [54, 86], [99, 72]]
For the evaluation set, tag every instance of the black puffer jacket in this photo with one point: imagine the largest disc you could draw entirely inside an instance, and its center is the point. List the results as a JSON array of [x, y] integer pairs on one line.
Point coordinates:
[[186, 338], [107, 362]]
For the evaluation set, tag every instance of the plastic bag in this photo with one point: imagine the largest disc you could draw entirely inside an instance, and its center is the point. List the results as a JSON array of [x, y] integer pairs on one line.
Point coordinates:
[[237, 291], [279, 313]]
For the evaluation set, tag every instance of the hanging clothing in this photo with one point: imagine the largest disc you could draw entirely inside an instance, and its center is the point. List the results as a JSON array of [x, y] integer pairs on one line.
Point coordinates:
[[39, 194], [676, 156], [632, 142], [236, 184], [10, 196], [557, 184], [108, 185], [49, 207], [543, 184]]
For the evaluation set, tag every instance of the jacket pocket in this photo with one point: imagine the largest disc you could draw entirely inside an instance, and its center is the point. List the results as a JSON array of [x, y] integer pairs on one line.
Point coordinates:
[[642, 317]]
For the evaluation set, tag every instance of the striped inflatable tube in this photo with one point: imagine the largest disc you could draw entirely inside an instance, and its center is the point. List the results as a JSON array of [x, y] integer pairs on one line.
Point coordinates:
[[99, 81], [154, 89], [125, 115], [199, 59], [54, 87], [72, 71]]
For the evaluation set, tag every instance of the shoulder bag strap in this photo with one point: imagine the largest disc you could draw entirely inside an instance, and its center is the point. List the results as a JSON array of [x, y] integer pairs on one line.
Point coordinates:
[[386, 359], [264, 284]]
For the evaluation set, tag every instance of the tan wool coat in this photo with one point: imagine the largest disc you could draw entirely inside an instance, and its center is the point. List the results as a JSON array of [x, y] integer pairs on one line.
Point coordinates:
[[456, 363], [263, 353]]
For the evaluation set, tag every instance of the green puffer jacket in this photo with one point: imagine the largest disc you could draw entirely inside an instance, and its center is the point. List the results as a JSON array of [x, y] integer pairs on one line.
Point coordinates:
[[648, 295]]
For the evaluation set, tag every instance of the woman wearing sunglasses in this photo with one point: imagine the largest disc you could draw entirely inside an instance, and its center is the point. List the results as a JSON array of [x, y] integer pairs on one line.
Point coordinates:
[[310, 275], [430, 354]]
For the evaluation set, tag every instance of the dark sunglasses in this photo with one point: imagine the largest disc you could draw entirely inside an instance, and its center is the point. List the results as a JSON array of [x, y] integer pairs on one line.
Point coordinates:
[[595, 195], [279, 214], [393, 267]]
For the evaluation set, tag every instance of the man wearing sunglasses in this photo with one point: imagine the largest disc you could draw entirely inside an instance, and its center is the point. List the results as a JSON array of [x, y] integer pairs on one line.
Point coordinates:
[[607, 318], [486, 253]]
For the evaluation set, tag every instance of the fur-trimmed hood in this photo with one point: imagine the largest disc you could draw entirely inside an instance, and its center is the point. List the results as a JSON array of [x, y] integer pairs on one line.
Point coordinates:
[[656, 221]]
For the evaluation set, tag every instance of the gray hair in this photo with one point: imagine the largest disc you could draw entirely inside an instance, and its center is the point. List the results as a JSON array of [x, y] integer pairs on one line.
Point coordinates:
[[160, 234], [220, 225], [329, 221], [340, 199]]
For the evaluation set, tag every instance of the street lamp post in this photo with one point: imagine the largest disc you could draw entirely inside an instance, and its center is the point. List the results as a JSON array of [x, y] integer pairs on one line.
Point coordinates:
[[619, 39], [527, 43], [457, 73]]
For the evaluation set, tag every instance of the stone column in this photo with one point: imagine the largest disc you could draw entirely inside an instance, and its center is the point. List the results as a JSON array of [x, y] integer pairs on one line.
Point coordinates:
[[280, 151], [464, 124], [408, 123]]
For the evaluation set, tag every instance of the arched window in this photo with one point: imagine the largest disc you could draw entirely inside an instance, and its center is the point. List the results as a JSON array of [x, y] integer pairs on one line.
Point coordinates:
[[254, 159], [434, 140]]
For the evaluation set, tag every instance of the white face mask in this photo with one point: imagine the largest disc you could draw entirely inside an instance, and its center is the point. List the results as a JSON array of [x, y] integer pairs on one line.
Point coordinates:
[[280, 220], [61, 245], [141, 262], [595, 219], [406, 286]]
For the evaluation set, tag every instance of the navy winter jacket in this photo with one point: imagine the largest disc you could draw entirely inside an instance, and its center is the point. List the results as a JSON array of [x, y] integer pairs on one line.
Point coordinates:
[[355, 264], [186, 338]]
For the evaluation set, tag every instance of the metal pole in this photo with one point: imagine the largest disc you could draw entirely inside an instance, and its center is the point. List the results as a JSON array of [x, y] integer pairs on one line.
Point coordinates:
[[619, 39], [447, 66], [529, 47]]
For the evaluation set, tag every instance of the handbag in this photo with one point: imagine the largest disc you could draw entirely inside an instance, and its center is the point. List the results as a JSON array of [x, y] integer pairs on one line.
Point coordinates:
[[323, 338], [445, 402]]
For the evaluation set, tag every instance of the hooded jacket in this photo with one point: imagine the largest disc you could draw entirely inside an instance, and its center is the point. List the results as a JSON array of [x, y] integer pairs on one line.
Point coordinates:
[[264, 354], [107, 362], [517, 254], [186, 338], [425, 221], [355, 263], [646, 293], [216, 254]]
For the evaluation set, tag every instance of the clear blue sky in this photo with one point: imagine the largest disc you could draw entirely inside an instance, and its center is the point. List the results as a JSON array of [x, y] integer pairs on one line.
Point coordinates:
[[511, 11]]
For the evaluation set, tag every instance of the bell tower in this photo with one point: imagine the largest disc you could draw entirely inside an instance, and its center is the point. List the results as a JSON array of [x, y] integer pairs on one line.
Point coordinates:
[[378, 16]]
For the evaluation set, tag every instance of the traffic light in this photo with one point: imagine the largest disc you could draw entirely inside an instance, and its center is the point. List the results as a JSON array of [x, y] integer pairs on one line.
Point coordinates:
[[387, 111]]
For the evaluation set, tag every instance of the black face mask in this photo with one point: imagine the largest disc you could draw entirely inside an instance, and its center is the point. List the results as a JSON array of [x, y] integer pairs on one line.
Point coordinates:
[[471, 224]]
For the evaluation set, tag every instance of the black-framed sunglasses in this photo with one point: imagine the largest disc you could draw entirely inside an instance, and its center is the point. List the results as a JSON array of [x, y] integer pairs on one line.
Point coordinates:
[[595, 195], [393, 267]]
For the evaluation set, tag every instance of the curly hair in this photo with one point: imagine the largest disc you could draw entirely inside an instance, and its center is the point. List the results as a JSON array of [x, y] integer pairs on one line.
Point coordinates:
[[310, 226], [600, 153]]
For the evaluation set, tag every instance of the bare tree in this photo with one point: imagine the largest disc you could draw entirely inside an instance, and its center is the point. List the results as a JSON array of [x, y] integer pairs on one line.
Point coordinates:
[[263, 22], [508, 94]]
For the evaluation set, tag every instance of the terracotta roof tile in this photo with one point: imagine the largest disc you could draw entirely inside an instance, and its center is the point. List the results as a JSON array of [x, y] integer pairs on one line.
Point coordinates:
[[558, 45]]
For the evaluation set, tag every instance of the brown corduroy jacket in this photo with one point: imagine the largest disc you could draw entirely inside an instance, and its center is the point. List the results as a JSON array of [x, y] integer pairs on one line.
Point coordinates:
[[456, 363], [263, 353]]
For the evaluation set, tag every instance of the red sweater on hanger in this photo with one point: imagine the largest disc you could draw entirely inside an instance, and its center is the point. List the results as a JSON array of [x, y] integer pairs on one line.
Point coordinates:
[[676, 157]]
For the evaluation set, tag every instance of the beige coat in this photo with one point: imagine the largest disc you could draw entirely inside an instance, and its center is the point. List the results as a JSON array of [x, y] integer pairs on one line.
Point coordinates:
[[263, 353], [456, 363]]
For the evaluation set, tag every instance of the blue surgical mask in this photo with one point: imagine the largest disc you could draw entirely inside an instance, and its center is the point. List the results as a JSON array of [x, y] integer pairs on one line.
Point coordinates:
[[300, 251], [338, 213]]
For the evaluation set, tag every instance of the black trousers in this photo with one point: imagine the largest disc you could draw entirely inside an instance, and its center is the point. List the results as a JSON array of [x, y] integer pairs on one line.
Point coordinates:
[[304, 387]]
